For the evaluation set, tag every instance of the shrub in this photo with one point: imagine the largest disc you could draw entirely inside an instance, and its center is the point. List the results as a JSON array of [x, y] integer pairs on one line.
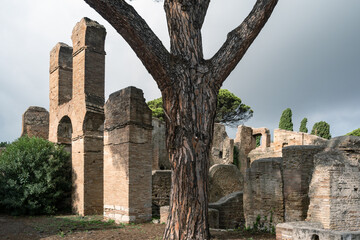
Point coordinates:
[[321, 129], [354, 133], [35, 177], [286, 121], [303, 127]]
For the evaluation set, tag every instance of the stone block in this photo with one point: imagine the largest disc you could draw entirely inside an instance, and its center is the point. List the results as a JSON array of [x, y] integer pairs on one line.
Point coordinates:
[[230, 209], [223, 180], [35, 122]]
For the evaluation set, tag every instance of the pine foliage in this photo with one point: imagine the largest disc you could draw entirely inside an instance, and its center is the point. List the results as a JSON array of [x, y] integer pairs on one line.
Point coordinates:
[[303, 127], [321, 129], [286, 120]]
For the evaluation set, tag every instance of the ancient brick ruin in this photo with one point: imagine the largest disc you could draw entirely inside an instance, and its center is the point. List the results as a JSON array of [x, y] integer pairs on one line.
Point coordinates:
[[307, 185]]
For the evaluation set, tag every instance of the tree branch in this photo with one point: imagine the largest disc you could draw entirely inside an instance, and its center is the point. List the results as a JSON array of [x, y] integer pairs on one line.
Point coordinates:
[[240, 39], [133, 28]]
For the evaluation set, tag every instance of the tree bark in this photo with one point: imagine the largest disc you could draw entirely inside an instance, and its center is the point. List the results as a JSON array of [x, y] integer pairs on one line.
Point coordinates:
[[189, 86]]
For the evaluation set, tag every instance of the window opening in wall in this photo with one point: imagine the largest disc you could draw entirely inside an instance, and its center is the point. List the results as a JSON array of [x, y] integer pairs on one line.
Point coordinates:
[[220, 154], [315, 237]]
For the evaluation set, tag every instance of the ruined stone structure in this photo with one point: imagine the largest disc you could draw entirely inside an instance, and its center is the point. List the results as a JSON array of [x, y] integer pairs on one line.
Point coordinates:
[[127, 157], [222, 148], [230, 210], [161, 188], [160, 155], [263, 193], [299, 177], [76, 110], [283, 138], [298, 165], [35, 122], [224, 179], [334, 210]]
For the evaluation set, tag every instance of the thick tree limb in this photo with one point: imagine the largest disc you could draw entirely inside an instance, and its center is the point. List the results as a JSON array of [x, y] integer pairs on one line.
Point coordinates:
[[240, 39], [133, 28]]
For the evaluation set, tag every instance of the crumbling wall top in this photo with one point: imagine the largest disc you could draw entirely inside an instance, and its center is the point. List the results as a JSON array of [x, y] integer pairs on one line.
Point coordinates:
[[90, 34]]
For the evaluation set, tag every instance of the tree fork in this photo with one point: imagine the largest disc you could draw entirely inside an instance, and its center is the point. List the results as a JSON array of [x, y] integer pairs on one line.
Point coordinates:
[[189, 86]]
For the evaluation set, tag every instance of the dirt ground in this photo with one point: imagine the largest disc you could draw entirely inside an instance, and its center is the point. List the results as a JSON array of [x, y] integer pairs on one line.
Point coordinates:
[[76, 227]]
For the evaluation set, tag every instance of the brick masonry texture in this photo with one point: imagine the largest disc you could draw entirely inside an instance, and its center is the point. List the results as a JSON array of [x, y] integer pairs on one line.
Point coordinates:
[[76, 110], [263, 192], [35, 122], [230, 209], [298, 164], [127, 157], [223, 180], [161, 188]]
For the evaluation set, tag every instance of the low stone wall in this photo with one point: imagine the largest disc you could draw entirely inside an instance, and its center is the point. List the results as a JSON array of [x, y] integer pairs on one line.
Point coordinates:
[[263, 193], [230, 207], [161, 188], [311, 231], [298, 165]]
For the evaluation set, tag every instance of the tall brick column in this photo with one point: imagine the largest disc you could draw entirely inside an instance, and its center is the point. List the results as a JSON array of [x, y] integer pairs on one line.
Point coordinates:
[[127, 157], [77, 110]]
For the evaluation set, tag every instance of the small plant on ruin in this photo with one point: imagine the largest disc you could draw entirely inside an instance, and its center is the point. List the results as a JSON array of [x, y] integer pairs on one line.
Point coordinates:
[[286, 120], [35, 177], [354, 133], [303, 127], [321, 129]]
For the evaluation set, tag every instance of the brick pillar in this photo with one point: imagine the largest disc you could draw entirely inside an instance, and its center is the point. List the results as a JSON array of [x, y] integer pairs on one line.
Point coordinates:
[[35, 122], [127, 157], [60, 84], [88, 116]]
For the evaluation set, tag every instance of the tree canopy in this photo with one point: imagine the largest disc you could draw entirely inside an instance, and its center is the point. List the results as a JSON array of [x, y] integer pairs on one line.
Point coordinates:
[[286, 120], [356, 132], [230, 110], [303, 127], [321, 129]]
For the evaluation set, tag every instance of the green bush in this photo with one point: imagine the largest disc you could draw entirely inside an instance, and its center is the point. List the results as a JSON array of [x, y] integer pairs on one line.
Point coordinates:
[[303, 127], [3, 144], [286, 120], [35, 177], [157, 109], [321, 129], [356, 132]]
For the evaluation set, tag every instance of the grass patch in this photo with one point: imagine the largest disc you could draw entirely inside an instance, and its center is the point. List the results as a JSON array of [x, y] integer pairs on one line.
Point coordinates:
[[64, 225]]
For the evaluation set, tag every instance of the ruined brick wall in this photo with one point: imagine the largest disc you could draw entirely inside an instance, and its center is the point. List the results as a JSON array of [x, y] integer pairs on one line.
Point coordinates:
[[245, 142], [76, 110], [335, 186], [230, 209], [127, 157], [35, 122], [223, 180], [298, 165], [160, 155], [263, 192], [222, 148], [283, 138], [161, 188]]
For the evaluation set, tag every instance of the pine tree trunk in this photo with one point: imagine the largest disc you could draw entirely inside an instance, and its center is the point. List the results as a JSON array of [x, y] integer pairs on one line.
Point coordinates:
[[189, 86], [190, 110]]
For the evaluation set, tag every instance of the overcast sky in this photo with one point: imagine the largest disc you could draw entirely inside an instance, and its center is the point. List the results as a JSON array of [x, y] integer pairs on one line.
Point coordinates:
[[306, 58]]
